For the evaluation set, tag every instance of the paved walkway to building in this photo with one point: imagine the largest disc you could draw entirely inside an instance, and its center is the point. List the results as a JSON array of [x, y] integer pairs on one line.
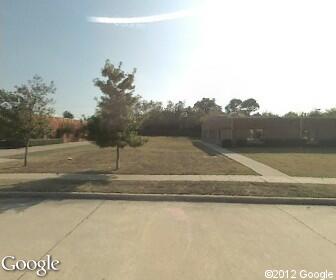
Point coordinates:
[[256, 166], [22, 177], [14, 152], [121, 240]]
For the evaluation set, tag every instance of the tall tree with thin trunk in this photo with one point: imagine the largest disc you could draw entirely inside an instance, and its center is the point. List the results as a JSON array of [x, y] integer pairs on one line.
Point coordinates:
[[28, 110], [116, 121]]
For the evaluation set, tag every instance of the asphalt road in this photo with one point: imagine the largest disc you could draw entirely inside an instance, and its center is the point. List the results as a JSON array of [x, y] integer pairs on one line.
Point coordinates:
[[166, 240]]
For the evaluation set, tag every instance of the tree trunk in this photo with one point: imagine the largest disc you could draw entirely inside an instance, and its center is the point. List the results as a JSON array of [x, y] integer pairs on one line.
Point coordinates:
[[118, 158], [26, 154]]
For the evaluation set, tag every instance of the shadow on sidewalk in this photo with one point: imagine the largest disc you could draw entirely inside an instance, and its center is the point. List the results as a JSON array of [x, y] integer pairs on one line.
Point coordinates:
[[64, 183], [17, 204]]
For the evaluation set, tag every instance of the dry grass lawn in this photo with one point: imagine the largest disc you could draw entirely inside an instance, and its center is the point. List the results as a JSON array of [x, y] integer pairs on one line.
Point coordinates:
[[160, 155], [305, 162], [166, 187]]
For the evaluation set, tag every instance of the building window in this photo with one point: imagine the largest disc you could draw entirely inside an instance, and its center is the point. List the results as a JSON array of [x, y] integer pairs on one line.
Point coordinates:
[[256, 134], [305, 134]]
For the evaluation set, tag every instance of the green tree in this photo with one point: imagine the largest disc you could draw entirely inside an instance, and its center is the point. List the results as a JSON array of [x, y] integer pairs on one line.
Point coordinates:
[[248, 106], [316, 113], [269, 115], [242, 108], [68, 115], [116, 121], [291, 115], [146, 107], [6, 113], [330, 113], [27, 111], [207, 105], [233, 106]]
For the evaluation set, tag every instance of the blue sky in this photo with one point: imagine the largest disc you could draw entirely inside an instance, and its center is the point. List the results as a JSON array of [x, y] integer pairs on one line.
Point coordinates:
[[280, 52]]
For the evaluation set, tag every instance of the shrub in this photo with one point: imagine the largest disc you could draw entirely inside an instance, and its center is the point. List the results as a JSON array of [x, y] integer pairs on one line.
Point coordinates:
[[14, 143], [226, 143], [241, 142], [42, 142], [11, 144], [284, 142], [327, 143]]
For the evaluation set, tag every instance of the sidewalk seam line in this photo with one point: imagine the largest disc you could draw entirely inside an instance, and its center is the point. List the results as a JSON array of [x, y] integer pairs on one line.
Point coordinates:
[[307, 226], [69, 233]]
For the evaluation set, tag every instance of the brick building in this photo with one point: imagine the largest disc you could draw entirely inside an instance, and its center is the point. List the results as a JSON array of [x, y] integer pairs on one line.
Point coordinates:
[[65, 128], [224, 130]]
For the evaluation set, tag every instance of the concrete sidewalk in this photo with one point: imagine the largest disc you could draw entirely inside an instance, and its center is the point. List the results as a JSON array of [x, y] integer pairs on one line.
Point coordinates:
[[13, 152], [124, 177], [168, 240], [256, 166]]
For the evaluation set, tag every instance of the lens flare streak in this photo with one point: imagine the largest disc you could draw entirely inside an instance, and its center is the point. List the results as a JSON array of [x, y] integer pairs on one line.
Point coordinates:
[[141, 20]]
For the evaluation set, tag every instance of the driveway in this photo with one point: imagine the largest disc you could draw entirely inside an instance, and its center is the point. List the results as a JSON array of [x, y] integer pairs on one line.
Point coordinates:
[[166, 240]]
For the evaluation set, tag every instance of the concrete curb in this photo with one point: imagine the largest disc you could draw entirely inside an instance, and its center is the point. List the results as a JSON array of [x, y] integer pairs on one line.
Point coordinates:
[[173, 197], [22, 177]]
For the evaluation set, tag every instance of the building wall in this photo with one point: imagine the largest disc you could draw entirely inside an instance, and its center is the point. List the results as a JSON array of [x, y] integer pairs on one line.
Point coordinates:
[[271, 128], [218, 128], [320, 129], [59, 122]]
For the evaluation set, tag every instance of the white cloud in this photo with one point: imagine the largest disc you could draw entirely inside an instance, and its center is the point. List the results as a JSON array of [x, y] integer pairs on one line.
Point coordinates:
[[141, 20]]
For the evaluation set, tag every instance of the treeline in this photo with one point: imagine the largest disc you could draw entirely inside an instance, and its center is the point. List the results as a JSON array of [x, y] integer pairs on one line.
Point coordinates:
[[177, 119], [330, 113]]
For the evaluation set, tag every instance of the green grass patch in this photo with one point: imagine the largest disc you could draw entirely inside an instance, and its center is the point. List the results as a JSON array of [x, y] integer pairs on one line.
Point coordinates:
[[303, 162]]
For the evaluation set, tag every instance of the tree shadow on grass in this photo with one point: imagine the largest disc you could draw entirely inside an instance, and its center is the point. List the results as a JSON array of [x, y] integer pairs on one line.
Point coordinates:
[[199, 145], [64, 183]]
